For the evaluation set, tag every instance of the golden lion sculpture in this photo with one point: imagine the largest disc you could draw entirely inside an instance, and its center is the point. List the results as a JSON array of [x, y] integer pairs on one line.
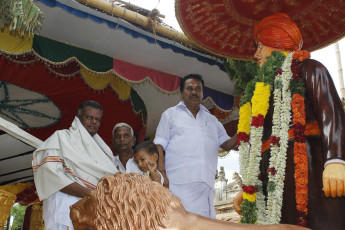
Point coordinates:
[[133, 202]]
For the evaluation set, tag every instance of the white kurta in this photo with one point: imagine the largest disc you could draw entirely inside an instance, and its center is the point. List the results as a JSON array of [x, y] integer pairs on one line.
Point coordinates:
[[191, 145], [131, 166], [69, 156]]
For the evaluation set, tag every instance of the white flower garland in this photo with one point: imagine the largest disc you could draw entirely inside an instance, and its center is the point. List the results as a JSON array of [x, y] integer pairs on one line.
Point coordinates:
[[274, 148], [244, 161], [254, 155], [281, 120]]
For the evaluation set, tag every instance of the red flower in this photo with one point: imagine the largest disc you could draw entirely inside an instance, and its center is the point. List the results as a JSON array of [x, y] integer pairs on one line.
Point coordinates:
[[302, 218], [271, 170], [274, 140], [302, 223], [299, 132], [258, 121], [249, 189], [259, 176], [295, 70], [279, 71], [242, 136], [302, 214]]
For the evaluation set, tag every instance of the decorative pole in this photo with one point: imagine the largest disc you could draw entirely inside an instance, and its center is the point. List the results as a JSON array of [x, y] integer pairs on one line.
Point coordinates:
[[141, 20], [340, 72]]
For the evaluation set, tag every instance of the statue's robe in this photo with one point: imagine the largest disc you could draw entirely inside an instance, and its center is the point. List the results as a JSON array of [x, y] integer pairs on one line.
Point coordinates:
[[325, 113]]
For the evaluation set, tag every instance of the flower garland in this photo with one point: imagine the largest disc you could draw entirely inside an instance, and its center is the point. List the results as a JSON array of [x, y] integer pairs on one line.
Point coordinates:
[[251, 123], [300, 148], [250, 129], [279, 143]]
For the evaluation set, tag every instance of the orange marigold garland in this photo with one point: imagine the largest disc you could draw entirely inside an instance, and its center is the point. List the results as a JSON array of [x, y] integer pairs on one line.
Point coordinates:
[[300, 148]]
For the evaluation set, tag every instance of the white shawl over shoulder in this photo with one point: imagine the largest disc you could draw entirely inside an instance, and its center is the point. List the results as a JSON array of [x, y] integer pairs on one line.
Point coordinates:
[[69, 156]]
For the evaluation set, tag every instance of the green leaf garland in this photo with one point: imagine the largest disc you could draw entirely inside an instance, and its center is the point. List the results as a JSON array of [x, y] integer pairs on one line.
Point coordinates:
[[265, 74], [241, 72]]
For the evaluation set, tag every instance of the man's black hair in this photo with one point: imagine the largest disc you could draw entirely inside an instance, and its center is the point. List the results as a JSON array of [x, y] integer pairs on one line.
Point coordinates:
[[93, 104], [189, 76], [147, 146]]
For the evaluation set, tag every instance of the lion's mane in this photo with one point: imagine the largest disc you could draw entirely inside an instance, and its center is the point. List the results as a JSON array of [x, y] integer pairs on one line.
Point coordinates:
[[132, 201]]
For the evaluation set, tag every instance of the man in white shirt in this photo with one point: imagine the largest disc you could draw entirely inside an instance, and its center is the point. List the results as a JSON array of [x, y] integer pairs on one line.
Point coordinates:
[[69, 164], [123, 142], [191, 137]]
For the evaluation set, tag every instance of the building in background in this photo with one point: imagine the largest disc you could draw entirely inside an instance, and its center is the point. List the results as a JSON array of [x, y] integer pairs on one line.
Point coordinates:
[[224, 194]]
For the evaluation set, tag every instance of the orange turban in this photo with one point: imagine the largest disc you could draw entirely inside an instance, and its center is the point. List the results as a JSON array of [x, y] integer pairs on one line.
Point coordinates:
[[278, 31]]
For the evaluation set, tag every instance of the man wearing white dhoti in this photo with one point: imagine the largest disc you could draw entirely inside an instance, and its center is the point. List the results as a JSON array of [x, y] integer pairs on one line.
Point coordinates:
[[69, 164], [191, 136]]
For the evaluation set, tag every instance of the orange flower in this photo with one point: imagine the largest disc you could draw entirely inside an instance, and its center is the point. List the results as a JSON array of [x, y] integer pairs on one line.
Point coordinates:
[[301, 147], [302, 180], [297, 99], [298, 109], [302, 208], [302, 159], [304, 193], [301, 171], [299, 200], [301, 55], [299, 118]]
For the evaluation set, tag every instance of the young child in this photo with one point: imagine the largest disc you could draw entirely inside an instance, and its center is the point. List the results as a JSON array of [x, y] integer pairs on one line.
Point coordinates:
[[146, 156]]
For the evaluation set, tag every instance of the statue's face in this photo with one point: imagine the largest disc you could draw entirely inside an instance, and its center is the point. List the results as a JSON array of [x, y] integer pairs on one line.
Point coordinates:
[[83, 213], [263, 52]]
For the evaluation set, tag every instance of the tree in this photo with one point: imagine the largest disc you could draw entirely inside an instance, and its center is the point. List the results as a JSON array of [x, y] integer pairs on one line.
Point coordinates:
[[18, 213]]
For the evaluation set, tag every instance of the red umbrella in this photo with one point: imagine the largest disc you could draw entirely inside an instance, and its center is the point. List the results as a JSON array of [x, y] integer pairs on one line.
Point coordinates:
[[224, 27]]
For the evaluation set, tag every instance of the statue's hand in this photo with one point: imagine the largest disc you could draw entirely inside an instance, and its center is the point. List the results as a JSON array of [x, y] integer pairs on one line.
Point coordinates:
[[333, 178], [238, 199]]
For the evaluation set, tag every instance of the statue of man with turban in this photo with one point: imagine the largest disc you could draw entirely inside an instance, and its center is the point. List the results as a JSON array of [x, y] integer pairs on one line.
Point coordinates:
[[301, 166]]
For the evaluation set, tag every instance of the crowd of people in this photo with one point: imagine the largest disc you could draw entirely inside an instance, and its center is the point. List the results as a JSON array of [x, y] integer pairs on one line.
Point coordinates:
[[183, 156], [69, 164]]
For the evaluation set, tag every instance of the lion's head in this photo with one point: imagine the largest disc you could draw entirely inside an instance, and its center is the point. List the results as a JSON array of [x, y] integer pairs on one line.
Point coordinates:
[[127, 201]]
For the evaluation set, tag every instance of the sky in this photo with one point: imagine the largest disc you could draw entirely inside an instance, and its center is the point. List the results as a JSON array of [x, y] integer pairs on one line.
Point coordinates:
[[327, 56]]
